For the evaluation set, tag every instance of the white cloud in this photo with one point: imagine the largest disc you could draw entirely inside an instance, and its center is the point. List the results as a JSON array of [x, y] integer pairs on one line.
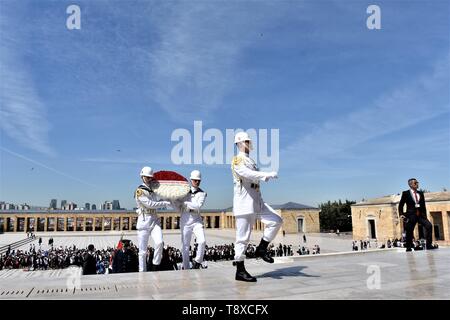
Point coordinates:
[[196, 62], [421, 99], [22, 114], [152, 160], [47, 167]]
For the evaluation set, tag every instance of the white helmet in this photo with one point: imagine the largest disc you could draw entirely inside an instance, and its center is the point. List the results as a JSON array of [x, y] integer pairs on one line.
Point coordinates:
[[147, 172], [241, 137], [196, 175]]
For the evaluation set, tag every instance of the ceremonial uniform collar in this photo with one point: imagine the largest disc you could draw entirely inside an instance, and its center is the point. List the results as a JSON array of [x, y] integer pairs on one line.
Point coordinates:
[[145, 187], [195, 190]]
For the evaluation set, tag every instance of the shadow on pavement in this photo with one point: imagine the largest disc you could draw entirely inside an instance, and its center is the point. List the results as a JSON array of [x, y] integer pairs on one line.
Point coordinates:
[[295, 271]]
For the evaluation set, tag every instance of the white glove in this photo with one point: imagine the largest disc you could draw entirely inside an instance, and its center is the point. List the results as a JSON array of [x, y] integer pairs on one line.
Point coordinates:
[[166, 203], [273, 175]]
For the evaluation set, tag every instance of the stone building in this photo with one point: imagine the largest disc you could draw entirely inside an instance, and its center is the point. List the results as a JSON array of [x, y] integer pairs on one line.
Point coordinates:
[[379, 218], [297, 218]]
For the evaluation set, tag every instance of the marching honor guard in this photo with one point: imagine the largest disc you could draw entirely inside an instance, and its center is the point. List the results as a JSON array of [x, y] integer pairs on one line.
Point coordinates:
[[148, 222], [191, 221], [248, 206]]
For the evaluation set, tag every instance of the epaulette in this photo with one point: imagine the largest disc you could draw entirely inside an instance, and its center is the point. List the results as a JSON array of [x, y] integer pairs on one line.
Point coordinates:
[[139, 191], [236, 161]]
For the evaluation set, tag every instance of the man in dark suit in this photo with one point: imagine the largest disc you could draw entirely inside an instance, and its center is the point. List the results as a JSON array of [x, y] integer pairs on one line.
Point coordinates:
[[416, 212], [125, 259], [89, 261]]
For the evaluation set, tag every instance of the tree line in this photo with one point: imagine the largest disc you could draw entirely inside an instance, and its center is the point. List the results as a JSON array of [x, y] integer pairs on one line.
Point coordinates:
[[336, 215]]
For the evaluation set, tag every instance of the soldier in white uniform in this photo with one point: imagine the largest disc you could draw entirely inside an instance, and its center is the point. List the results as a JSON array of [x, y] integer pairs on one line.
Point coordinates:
[[248, 206], [148, 222], [191, 221]]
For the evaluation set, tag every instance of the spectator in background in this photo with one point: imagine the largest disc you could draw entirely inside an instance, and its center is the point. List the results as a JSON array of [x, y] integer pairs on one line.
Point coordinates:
[[89, 261], [126, 259], [100, 267]]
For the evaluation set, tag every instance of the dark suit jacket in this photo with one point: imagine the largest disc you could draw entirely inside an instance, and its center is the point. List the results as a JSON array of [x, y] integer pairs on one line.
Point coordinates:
[[89, 264], [407, 198]]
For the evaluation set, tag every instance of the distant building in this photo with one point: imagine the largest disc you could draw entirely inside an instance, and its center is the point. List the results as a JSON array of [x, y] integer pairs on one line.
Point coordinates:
[[52, 204], [72, 206], [94, 207], [24, 207], [63, 204], [297, 218], [87, 206], [69, 206], [7, 206], [107, 205], [115, 205], [10, 206]]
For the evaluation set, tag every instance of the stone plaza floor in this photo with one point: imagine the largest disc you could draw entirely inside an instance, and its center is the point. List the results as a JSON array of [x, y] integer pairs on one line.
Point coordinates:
[[376, 274]]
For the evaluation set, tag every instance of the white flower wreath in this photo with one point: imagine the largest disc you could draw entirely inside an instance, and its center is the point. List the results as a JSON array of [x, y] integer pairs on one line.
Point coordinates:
[[170, 190]]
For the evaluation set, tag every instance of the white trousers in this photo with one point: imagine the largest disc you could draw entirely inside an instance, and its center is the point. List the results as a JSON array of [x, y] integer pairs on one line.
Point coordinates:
[[272, 223], [192, 223], [149, 226]]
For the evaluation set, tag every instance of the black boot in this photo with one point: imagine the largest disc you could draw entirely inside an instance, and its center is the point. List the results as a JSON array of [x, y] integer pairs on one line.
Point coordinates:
[[196, 265], [261, 251], [242, 274], [155, 267]]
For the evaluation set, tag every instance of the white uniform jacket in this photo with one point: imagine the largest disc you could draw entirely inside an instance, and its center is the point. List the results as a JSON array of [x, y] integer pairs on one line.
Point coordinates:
[[147, 203], [247, 197], [194, 200]]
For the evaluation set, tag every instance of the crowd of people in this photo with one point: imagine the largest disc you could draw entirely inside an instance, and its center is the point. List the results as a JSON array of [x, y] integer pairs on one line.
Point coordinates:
[[390, 243], [363, 245], [124, 258], [302, 250], [54, 258]]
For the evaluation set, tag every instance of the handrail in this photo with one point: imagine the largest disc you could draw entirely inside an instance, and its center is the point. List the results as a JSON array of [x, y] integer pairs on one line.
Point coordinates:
[[16, 244]]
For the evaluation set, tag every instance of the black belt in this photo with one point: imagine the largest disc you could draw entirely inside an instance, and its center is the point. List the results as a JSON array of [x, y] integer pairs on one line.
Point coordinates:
[[254, 186]]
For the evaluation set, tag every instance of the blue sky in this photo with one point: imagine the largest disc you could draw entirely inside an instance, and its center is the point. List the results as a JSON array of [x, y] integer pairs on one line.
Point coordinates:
[[359, 111]]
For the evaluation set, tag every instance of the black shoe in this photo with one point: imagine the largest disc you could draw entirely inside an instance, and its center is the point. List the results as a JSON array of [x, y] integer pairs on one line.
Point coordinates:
[[196, 265], [264, 254], [244, 276], [408, 249], [155, 267], [261, 251]]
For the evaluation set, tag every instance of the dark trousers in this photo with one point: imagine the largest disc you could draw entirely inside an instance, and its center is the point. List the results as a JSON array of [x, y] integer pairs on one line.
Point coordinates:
[[410, 224]]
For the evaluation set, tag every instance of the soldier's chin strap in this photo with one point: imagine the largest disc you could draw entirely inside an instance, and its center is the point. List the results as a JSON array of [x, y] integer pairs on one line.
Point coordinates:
[[242, 145]]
